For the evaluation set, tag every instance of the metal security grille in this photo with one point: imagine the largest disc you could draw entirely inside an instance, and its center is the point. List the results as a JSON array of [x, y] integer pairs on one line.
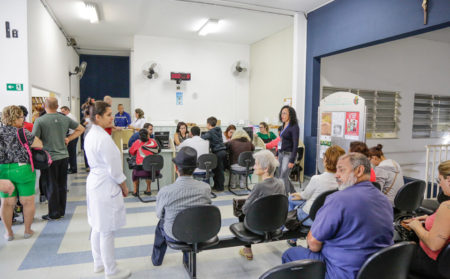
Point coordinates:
[[382, 110], [431, 116]]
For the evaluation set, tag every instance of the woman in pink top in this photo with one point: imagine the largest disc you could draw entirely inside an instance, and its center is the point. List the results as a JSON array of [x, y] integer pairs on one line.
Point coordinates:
[[433, 231]]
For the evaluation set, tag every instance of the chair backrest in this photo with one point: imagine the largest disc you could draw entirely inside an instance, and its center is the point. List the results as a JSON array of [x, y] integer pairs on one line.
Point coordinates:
[[318, 202], [410, 196], [304, 269], [246, 159], [444, 261], [267, 214], [377, 185], [207, 161], [197, 224], [389, 263], [153, 161]]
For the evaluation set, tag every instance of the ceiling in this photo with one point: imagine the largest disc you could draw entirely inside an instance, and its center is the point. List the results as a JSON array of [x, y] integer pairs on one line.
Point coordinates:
[[242, 21]]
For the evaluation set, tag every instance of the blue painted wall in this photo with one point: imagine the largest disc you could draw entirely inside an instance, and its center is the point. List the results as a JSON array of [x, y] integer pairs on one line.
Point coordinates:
[[345, 25], [105, 75]]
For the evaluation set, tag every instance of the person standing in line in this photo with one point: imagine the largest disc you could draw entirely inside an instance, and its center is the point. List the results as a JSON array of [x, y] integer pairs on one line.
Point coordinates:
[[122, 119], [214, 136], [15, 167], [72, 146], [105, 188], [287, 147], [52, 128], [26, 125], [107, 99]]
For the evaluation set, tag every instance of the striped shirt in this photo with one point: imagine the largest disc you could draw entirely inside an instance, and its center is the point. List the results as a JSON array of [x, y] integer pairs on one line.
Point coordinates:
[[186, 192]]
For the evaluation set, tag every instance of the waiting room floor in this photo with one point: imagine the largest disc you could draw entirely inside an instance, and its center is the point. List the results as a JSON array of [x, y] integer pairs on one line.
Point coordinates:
[[61, 249]]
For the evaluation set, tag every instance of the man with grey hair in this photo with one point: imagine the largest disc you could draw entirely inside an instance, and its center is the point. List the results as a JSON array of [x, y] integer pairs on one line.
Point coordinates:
[[353, 223]]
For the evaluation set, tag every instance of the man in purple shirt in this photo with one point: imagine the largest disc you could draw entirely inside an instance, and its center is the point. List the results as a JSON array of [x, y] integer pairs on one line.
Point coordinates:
[[354, 222]]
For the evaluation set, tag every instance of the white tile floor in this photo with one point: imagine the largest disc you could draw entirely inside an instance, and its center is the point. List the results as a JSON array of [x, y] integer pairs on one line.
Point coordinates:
[[61, 249]]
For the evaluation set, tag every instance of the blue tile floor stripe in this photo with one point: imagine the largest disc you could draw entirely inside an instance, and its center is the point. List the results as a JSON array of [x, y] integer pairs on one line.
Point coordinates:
[[44, 252]]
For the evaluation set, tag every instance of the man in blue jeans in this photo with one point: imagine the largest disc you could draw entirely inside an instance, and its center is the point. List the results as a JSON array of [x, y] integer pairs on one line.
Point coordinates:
[[184, 193], [354, 222]]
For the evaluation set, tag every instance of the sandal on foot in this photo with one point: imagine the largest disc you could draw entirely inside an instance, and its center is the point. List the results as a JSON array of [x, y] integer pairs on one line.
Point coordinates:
[[248, 256]]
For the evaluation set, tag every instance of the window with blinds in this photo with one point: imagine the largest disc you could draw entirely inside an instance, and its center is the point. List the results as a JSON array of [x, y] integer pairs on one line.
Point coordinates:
[[431, 116], [382, 110]]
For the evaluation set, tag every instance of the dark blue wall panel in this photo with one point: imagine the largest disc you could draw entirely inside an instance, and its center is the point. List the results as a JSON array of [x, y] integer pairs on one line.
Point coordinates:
[[105, 75], [345, 25]]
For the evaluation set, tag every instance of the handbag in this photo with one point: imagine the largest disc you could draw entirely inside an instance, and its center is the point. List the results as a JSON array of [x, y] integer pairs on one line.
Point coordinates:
[[237, 207], [39, 158], [131, 162], [292, 223]]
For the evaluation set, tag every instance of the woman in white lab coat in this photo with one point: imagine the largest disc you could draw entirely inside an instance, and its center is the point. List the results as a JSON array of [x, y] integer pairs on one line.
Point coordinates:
[[105, 189]]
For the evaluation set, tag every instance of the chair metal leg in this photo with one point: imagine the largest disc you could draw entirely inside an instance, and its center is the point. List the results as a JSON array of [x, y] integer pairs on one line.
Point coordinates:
[[152, 199], [194, 265]]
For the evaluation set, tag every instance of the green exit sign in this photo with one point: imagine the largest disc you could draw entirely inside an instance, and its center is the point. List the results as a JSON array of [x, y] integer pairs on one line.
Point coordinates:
[[14, 87]]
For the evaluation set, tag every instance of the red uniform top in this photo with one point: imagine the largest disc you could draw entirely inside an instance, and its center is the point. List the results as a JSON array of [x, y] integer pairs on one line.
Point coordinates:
[[108, 130], [28, 126]]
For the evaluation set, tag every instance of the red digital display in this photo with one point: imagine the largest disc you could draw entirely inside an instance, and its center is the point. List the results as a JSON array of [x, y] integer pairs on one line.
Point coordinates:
[[180, 76]]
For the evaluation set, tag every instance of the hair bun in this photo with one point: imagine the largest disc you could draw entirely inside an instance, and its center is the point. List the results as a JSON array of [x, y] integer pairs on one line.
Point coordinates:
[[379, 147]]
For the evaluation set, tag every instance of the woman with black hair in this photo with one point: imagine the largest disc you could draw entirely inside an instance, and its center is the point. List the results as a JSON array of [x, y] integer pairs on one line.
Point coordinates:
[[287, 147], [141, 148], [181, 134], [105, 188]]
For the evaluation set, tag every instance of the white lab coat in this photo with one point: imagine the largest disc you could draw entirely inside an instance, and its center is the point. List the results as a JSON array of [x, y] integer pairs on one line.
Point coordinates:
[[105, 205]]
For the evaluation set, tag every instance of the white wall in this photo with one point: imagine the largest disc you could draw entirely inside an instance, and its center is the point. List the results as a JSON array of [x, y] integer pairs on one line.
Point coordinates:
[[213, 90], [271, 64], [410, 66], [13, 54], [50, 59]]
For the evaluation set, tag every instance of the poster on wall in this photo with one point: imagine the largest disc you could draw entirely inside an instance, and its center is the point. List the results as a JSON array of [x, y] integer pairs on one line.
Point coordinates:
[[325, 124], [325, 142], [179, 98], [338, 124], [352, 125]]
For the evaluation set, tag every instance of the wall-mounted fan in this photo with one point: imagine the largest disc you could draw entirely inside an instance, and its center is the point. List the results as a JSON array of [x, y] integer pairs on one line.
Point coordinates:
[[239, 68], [150, 70], [79, 70]]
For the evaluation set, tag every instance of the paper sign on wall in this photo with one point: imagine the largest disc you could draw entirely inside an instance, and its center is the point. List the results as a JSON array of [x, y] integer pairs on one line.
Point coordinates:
[[352, 125], [179, 98], [338, 124]]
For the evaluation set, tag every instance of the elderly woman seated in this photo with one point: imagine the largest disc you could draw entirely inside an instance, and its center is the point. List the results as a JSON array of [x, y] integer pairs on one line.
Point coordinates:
[[265, 165], [316, 186]]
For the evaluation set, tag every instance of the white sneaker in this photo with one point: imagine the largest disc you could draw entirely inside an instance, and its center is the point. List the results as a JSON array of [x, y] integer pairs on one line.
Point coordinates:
[[98, 269], [120, 274]]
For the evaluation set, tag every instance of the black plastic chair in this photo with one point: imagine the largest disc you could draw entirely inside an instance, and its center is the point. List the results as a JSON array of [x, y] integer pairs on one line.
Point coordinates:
[[196, 228], [377, 185], [304, 269], [152, 163], [263, 221], [246, 160], [318, 203], [409, 198], [206, 162], [389, 263]]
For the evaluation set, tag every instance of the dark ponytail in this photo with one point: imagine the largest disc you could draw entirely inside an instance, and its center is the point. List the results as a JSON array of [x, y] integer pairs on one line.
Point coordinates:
[[98, 108], [143, 135], [376, 151]]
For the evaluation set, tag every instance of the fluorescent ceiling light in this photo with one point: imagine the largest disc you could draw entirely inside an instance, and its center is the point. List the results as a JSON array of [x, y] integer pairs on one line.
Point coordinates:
[[210, 26], [91, 12]]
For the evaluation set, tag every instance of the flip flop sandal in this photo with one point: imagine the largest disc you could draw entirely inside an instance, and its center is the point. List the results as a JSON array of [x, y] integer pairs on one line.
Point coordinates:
[[248, 256]]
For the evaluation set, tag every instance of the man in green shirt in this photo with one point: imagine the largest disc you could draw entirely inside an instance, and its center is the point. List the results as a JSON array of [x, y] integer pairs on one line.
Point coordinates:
[[52, 128]]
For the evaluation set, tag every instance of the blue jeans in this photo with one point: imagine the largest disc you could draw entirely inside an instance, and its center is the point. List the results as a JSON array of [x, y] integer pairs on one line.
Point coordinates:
[[293, 204], [160, 245], [284, 171]]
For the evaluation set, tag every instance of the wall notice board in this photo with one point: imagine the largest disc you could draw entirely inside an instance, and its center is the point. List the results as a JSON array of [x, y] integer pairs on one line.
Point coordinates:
[[342, 119]]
